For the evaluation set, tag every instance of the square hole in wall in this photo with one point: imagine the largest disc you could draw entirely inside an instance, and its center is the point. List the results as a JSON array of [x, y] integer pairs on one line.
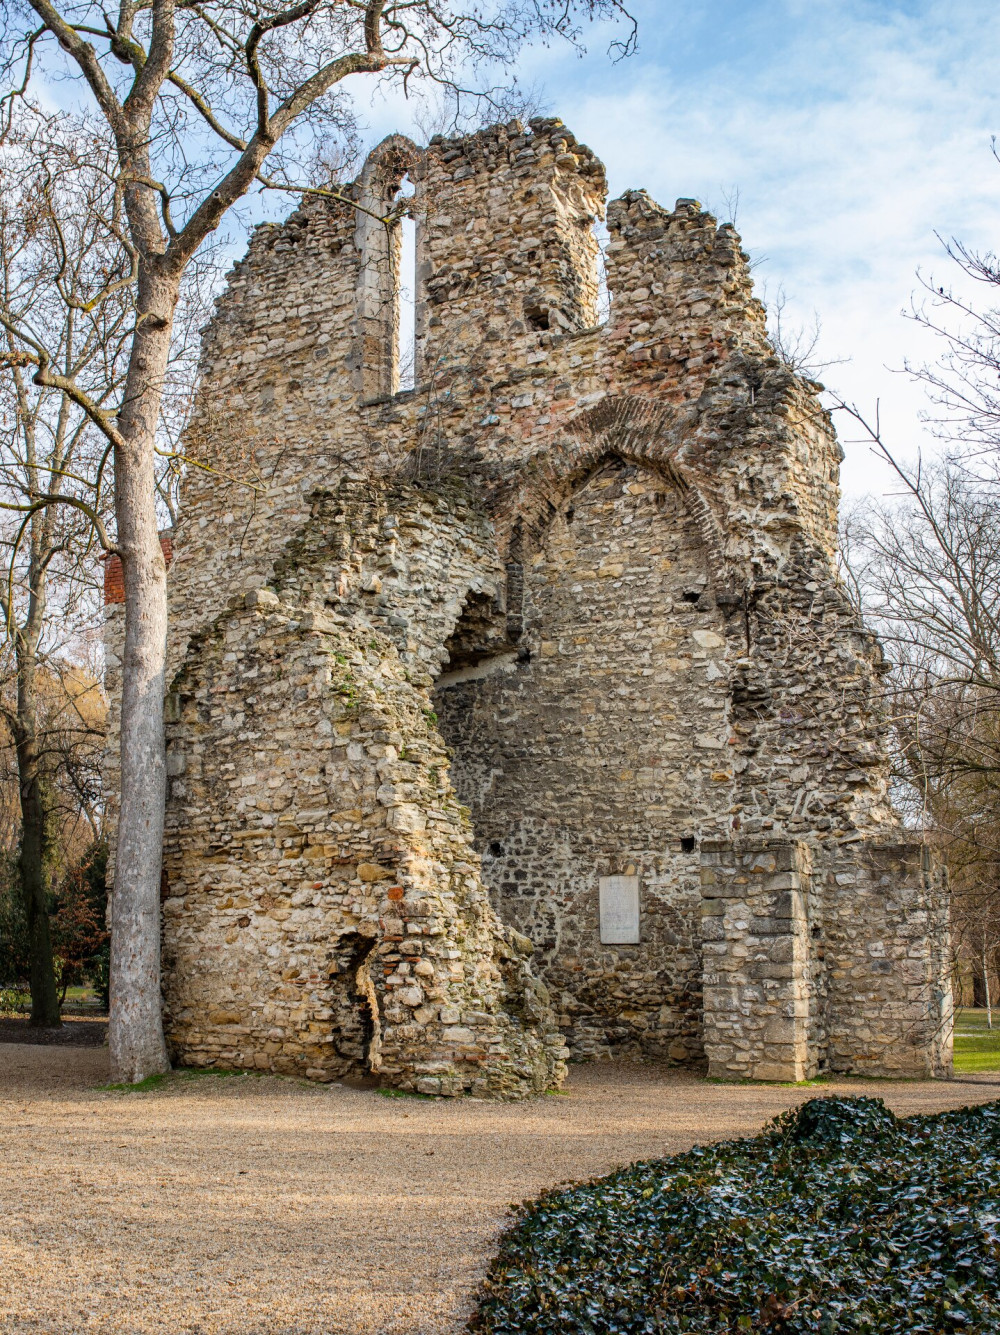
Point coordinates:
[[537, 316], [687, 843]]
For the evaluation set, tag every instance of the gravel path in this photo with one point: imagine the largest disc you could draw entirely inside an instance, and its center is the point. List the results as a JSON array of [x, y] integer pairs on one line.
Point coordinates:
[[75, 1031], [248, 1205]]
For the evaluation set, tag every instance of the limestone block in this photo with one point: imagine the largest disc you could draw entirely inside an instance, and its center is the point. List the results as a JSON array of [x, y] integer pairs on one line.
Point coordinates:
[[370, 872]]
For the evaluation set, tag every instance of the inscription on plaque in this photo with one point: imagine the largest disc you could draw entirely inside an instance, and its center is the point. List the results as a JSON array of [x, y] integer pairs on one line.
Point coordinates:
[[619, 910]]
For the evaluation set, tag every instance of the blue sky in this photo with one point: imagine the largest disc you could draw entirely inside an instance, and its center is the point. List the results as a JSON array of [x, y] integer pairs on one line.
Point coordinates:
[[851, 130]]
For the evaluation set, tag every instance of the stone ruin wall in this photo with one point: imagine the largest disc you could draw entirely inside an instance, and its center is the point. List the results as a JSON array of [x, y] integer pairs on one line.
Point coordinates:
[[599, 747], [325, 912], [596, 564]]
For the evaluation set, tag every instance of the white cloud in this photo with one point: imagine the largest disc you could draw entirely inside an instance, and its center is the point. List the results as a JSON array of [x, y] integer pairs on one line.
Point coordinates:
[[853, 132]]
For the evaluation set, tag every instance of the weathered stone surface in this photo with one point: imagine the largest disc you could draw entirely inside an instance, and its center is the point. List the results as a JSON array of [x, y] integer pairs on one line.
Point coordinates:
[[442, 660]]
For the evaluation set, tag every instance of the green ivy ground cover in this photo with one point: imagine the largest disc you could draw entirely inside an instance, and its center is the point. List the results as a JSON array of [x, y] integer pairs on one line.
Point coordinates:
[[839, 1217]]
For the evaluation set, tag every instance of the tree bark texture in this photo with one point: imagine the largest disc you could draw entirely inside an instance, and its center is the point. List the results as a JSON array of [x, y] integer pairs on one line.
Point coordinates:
[[136, 1028]]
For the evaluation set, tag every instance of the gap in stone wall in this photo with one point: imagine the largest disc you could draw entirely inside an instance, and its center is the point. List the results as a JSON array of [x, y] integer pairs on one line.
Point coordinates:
[[603, 238], [355, 1020], [482, 643], [406, 296]]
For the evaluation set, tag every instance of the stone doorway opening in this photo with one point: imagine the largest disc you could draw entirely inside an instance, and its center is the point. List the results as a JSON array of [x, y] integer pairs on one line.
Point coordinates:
[[355, 1021]]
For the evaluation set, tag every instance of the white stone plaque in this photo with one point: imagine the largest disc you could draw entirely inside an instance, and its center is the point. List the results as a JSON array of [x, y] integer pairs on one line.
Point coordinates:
[[619, 910]]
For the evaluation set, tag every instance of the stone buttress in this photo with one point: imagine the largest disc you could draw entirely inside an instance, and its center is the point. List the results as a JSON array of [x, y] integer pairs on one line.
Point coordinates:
[[522, 714]]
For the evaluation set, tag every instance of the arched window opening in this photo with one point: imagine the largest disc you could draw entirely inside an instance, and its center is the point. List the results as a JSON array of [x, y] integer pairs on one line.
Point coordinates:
[[406, 294], [387, 242]]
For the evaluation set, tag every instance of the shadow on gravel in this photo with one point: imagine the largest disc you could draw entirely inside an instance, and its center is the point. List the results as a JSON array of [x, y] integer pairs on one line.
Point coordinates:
[[74, 1032]]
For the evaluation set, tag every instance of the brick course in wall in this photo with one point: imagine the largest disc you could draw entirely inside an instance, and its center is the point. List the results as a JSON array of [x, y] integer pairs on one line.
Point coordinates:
[[114, 576], [444, 662]]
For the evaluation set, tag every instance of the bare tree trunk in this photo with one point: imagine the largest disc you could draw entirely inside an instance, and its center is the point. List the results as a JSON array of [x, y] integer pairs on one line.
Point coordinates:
[[144, 37], [136, 1028], [986, 984], [31, 860]]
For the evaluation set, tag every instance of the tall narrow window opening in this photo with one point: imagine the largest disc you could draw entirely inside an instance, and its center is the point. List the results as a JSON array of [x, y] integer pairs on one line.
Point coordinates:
[[602, 236], [386, 280], [406, 298]]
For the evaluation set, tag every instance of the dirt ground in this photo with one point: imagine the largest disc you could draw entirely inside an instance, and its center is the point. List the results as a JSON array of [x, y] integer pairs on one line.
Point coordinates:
[[249, 1204], [75, 1031]]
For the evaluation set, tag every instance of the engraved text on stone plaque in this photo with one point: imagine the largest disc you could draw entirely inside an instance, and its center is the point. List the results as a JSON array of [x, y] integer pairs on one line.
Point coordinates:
[[619, 910]]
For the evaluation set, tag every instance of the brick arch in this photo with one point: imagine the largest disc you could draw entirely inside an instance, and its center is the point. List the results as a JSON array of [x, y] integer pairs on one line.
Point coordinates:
[[636, 430]]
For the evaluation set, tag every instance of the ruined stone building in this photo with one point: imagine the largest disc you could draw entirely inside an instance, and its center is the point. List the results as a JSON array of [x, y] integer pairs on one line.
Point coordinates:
[[520, 715]]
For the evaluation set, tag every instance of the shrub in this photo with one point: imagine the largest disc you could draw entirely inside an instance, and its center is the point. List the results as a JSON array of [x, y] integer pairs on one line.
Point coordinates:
[[14, 963], [838, 1218], [78, 926], [14, 1002]]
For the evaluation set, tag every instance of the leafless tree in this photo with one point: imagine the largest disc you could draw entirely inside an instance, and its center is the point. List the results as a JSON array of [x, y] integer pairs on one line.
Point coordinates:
[[963, 385], [204, 101], [925, 565], [797, 346], [55, 499], [52, 243]]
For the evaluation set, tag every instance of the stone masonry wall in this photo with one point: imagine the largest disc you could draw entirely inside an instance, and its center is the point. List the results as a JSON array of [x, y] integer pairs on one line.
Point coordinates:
[[601, 749], [326, 914], [609, 553], [762, 979], [887, 961]]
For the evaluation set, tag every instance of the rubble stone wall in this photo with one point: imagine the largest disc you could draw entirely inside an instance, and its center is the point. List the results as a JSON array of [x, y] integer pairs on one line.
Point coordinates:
[[566, 611], [600, 747], [887, 961], [326, 914]]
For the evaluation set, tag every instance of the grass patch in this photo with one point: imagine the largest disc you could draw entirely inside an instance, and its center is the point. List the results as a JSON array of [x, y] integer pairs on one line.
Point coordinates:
[[977, 1048], [391, 1092], [838, 1218], [140, 1086], [84, 995], [179, 1076]]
